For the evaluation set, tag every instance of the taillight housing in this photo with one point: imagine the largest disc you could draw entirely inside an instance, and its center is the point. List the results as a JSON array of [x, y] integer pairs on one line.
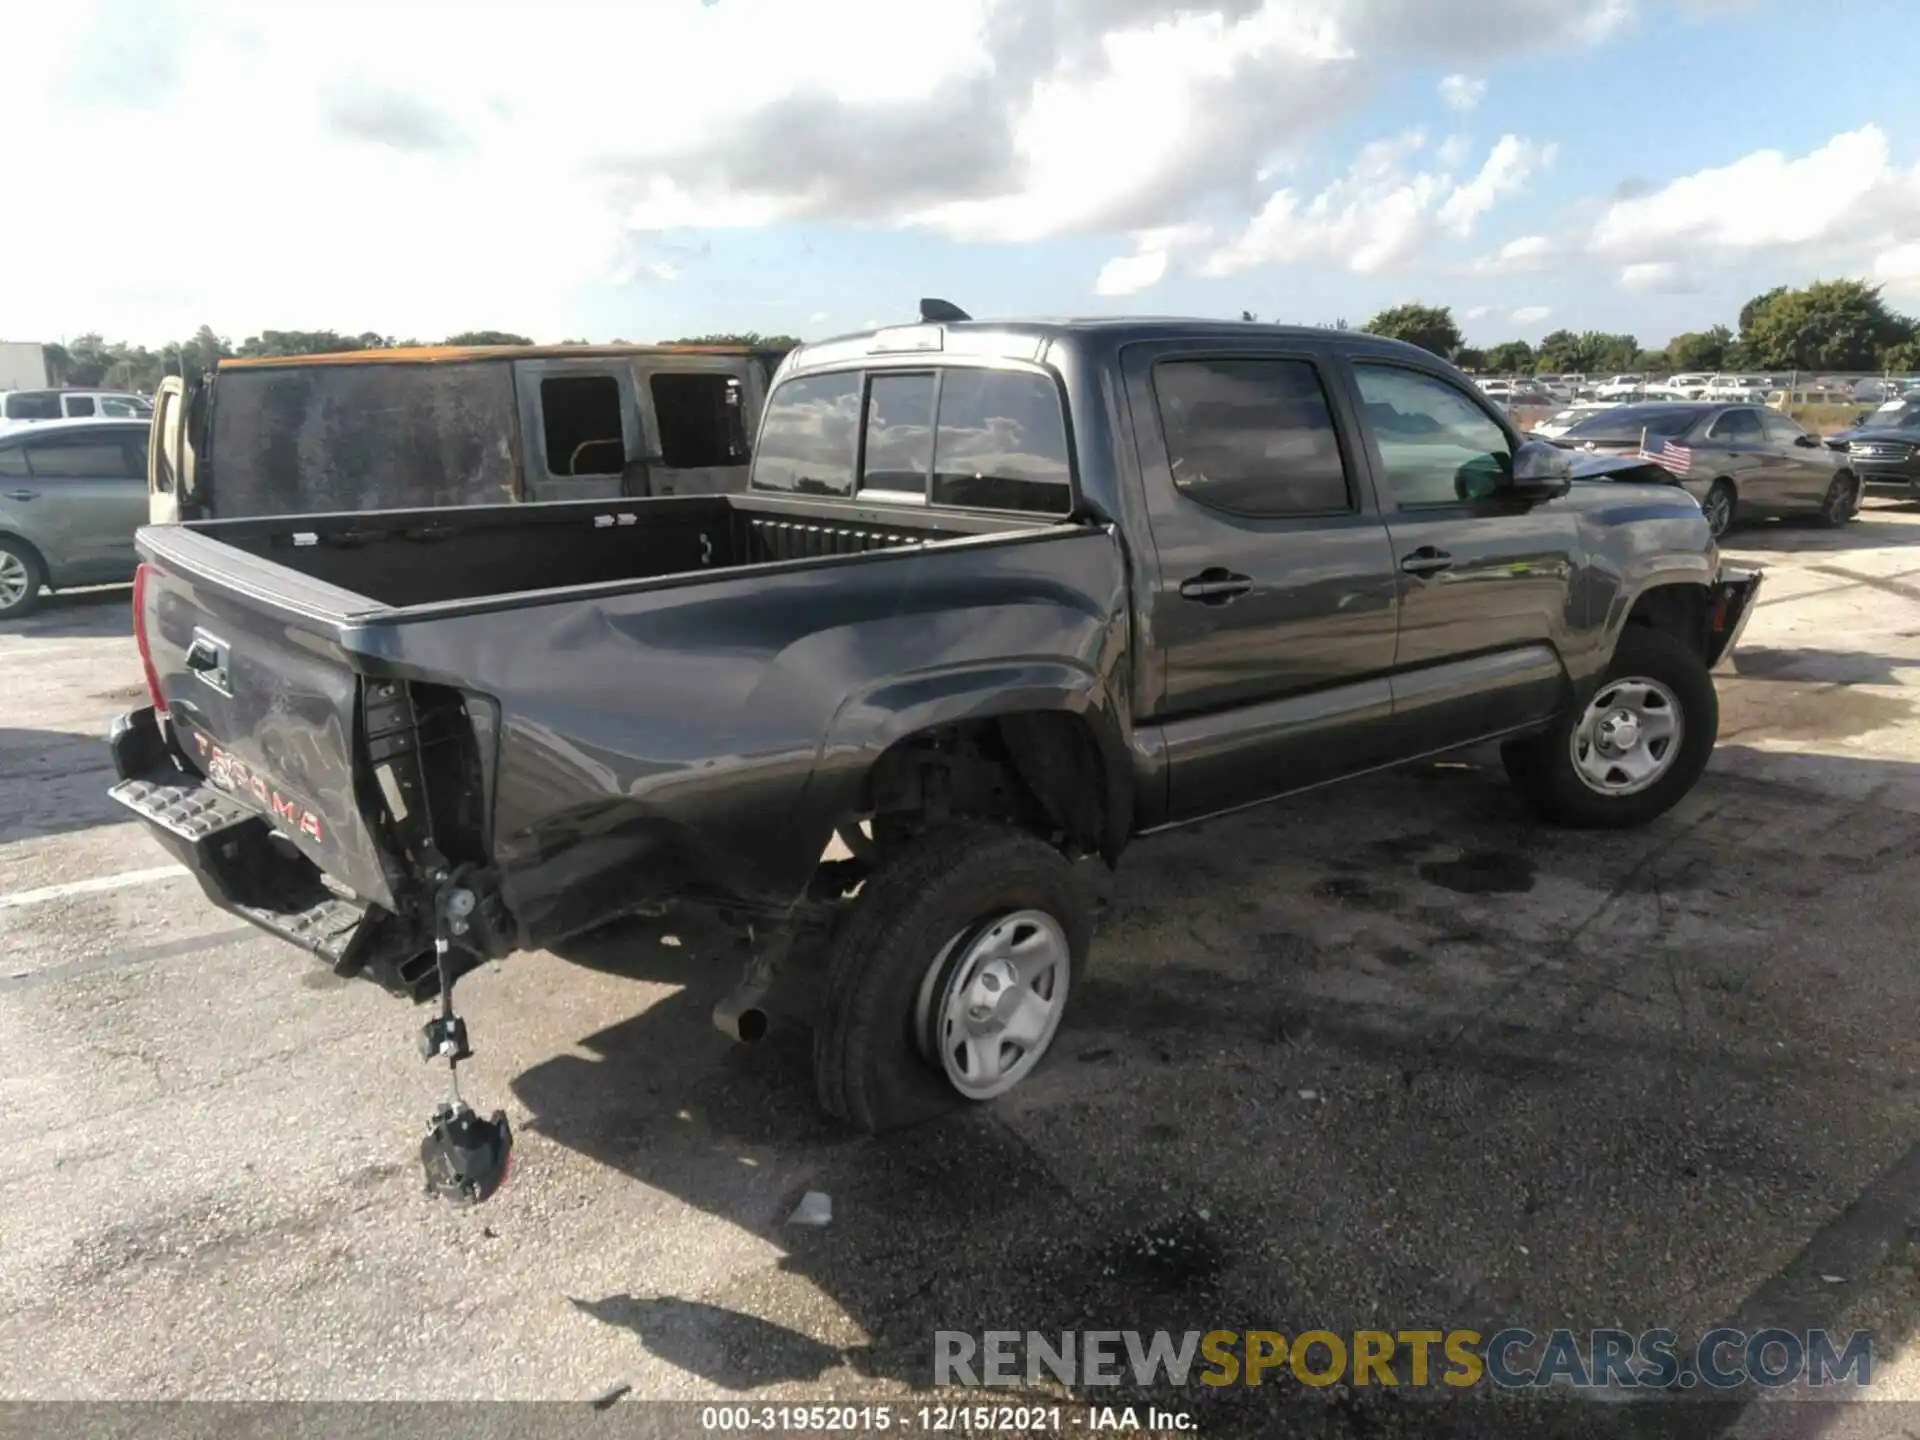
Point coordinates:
[[140, 638]]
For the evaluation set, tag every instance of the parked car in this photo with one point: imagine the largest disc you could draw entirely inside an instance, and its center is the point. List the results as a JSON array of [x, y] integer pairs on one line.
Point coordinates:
[[72, 494], [1000, 598], [1885, 451], [1738, 461], [1691, 385], [455, 425], [32, 407]]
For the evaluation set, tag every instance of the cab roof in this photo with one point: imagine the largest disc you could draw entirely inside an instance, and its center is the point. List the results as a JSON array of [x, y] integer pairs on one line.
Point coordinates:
[[459, 354]]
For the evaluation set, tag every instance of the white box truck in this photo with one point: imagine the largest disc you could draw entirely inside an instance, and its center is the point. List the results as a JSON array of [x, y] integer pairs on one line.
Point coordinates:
[[23, 365]]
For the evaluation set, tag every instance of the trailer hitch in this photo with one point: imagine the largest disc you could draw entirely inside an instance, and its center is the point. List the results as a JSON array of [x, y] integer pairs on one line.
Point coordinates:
[[465, 1158]]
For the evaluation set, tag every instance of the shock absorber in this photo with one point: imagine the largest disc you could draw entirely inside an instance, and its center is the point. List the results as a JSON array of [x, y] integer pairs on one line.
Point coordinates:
[[464, 1156]]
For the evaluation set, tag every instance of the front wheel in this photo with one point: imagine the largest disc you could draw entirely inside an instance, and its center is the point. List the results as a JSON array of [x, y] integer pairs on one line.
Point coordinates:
[[1637, 746], [1842, 501], [951, 977]]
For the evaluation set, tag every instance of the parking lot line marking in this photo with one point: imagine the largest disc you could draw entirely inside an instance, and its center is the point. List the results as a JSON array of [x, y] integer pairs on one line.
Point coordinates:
[[121, 959], [89, 887]]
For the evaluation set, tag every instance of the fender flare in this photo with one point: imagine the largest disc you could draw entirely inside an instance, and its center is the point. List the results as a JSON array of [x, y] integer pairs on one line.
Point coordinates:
[[871, 721]]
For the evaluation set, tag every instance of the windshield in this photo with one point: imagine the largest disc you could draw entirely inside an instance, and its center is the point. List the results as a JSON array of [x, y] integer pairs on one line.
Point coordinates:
[[1629, 421]]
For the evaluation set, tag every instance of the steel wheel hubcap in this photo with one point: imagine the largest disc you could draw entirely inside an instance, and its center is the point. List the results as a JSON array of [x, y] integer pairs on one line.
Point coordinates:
[[989, 1013], [1629, 736], [13, 580]]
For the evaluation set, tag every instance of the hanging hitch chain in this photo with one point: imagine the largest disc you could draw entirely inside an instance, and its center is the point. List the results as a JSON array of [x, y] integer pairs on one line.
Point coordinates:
[[465, 1157]]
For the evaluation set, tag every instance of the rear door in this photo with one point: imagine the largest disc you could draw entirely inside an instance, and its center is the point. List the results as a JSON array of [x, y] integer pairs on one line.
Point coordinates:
[[1274, 604], [164, 437], [581, 435], [1485, 583], [88, 489], [701, 411]]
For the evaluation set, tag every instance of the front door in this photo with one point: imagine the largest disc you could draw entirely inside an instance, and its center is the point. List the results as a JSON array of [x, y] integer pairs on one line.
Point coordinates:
[[1736, 447], [1485, 584], [1274, 608], [580, 429]]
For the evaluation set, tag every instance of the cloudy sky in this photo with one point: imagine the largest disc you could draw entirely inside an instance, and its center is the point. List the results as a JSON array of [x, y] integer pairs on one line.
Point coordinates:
[[643, 169]]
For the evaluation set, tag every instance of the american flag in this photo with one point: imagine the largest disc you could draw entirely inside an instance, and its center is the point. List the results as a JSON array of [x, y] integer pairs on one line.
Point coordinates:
[[1667, 455]]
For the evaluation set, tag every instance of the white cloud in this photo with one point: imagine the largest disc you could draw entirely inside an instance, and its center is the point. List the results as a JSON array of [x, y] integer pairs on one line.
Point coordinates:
[[1462, 92], [1509, 166], [1522, 256], [816, 317], [1479, 312], [1147, 266], [1899, 269], [1658, 277], [1453, 151], [473, 169], [1130, 274], [1529, 314], [1846, 206], [1381, 214]]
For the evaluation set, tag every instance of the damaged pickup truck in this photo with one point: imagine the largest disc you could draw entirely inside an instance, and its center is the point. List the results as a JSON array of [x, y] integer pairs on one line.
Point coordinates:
[[999, 599]]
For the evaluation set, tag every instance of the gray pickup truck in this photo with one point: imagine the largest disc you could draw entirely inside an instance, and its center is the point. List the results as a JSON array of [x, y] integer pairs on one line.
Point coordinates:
[[1000, 598]]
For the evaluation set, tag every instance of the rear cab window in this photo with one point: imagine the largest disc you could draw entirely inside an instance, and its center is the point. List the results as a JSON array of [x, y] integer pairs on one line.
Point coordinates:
[[1252, 437], [952, 436], [34, 405]]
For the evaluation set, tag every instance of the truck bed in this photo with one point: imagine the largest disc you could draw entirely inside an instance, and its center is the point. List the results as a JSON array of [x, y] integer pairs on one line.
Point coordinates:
[[594, 703], [407, 558]]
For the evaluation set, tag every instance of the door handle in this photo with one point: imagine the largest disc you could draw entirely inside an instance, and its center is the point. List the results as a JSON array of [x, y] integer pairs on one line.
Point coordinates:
[[23, 494], [1426, 561], [207, 660], [1215, 586]]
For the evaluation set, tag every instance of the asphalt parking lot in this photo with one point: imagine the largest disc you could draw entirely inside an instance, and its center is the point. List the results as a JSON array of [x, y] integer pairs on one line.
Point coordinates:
[[1384, 1056]]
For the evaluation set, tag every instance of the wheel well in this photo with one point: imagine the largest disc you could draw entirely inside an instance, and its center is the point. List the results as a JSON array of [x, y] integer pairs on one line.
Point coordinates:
[[1726, 480], [1679, 610], [1040, 770], [34, 550]]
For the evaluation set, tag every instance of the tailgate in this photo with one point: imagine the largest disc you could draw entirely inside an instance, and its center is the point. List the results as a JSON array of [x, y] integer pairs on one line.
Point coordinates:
[[262, 698]]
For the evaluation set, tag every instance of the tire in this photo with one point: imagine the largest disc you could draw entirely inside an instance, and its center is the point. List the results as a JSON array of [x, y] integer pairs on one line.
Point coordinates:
[[1721, 507], [933, 911], [1842, 501], [1545, 770], [22, 577]]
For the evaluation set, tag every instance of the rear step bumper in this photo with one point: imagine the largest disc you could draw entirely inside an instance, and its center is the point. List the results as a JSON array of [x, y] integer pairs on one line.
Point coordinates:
[[247, 871]]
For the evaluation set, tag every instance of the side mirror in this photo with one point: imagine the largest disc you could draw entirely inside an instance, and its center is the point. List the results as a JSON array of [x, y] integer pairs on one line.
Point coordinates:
[[1541, 471], [1811, 442]]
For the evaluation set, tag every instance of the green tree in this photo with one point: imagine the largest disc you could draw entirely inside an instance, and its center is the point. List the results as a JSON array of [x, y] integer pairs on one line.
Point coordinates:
[[1431, 327], [1652, 362], [1510, 357], [1468, 358], [1902, 359], [1701, 349], [1830, 325], [1591, 352], [310, 342], [487, 337], [743, 337]]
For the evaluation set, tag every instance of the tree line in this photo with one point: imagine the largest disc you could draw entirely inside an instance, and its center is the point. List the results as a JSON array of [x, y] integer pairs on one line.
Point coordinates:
[[1831, 325], [89, 361]]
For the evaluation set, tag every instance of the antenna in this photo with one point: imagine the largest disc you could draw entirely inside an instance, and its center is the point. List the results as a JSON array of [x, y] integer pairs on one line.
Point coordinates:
[[936, 311]]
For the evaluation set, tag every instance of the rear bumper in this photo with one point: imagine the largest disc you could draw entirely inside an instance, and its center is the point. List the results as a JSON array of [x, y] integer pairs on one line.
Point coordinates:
[[248, 871], [1732, 602]]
